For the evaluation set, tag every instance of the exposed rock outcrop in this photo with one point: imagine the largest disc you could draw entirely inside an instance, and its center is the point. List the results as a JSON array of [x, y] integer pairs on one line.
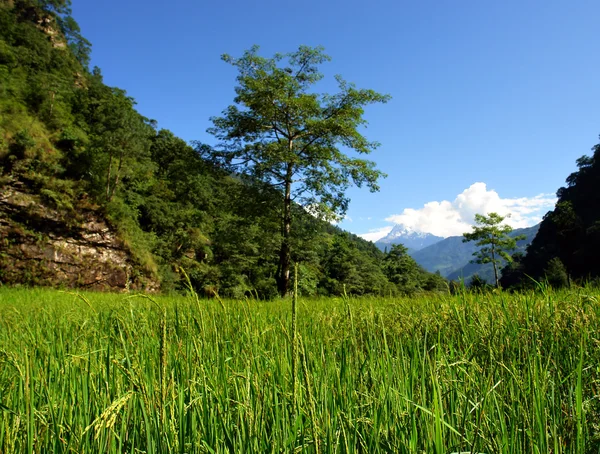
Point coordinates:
[[44, 246]]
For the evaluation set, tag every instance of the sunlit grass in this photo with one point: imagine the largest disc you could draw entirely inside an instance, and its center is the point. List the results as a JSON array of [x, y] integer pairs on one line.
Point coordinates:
[[493, 373]]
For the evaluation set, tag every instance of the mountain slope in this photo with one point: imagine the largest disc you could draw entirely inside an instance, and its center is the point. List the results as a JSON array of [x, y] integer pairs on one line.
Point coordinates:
[[78, 161], [446, 255], [451, 257]]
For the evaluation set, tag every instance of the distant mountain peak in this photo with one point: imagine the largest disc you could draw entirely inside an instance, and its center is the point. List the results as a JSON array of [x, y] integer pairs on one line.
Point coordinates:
[[409, 237], [400, 230]]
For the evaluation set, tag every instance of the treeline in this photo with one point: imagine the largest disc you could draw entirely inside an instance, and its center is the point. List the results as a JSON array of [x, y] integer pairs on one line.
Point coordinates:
[[565, 250], [567, 246], [77, 143]]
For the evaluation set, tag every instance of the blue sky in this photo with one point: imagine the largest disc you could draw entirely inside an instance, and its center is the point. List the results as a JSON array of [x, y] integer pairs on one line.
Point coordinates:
[[492, 102]]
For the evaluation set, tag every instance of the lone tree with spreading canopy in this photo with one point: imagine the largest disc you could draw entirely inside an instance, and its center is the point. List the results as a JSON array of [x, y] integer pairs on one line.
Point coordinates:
[[281, 132], [494, 239]]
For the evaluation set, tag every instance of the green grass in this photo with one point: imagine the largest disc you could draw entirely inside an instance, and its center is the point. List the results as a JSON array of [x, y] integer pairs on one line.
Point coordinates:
[[494, 373]]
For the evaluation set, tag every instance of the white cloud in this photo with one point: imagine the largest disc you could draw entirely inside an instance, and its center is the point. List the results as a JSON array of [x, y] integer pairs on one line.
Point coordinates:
[[376, 234], [447, 218]]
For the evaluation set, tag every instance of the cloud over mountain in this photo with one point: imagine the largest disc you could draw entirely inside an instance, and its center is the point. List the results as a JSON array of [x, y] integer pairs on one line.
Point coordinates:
[[450, 218]]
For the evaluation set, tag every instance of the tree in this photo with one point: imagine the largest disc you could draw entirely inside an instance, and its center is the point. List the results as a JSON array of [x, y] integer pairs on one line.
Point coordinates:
[[494, 240], [478, 284], [402, 270], [435, 282], [120, 139], [556, 273], [349, 268], [281, 132], [512, 276]]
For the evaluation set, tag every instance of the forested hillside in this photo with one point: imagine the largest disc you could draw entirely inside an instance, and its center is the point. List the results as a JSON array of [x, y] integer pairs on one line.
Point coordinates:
[[567, 245], [74, 152]]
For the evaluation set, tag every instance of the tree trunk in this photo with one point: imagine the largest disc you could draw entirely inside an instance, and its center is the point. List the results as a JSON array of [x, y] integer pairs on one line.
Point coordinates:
[[495, 267], [285, 253]]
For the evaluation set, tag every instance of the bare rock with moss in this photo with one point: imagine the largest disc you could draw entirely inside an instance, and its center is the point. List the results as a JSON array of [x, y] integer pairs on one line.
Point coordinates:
[[62, 248]]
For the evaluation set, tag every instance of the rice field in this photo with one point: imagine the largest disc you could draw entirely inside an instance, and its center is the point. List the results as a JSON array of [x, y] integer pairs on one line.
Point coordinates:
[[491, 373]]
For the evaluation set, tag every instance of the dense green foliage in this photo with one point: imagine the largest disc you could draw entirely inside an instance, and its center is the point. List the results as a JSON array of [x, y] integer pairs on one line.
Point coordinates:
[[492, 373], [567, 245], [79, 144]]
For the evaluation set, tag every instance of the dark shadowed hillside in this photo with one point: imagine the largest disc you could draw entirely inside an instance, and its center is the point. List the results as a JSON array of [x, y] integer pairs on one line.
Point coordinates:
[[567, 246]]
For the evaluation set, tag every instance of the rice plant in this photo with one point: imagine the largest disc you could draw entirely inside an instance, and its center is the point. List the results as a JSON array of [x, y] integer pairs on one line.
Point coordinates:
[[491, 373]]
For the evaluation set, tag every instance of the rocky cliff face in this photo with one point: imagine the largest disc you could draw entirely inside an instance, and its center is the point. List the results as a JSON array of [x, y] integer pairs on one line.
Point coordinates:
[[61, 248]]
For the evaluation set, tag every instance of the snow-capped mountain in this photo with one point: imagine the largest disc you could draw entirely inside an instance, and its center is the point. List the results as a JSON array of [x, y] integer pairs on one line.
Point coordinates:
[[410, 238]]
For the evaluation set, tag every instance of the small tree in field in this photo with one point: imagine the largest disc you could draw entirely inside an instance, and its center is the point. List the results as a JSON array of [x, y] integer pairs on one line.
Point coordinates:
[[494, 240], [283, 133]]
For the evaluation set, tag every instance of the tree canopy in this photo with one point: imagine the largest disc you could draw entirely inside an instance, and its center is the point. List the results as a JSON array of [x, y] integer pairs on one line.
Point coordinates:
[[283, 133], [494, 241]]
